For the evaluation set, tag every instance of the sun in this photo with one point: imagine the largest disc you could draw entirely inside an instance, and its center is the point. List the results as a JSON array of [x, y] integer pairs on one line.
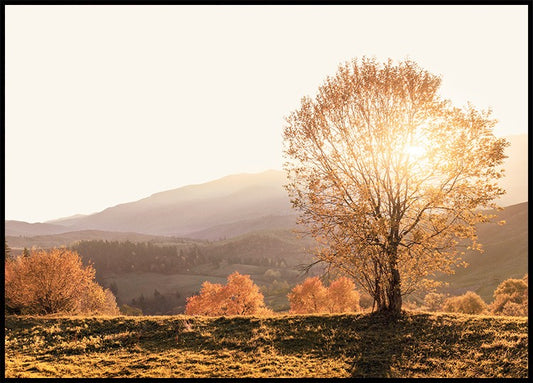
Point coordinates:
[[415, 151]]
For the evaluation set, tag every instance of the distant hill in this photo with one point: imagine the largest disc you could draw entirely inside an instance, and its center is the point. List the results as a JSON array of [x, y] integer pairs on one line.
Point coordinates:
[[16, 228], [68, 238], [225, 207], [505, 255]]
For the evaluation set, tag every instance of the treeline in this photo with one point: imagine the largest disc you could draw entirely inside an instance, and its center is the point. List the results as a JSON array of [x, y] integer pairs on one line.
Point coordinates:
[[120, 257]]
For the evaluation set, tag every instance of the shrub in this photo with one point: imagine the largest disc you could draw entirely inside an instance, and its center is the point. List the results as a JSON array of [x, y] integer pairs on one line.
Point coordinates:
[[240, 296], [46, 282], [469, 303]]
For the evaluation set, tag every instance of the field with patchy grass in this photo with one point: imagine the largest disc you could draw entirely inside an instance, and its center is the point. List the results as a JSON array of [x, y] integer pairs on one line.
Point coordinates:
[[344, 345]]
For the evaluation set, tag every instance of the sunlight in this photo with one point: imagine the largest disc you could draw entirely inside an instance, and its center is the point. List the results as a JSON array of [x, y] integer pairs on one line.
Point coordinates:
[[415, 151]]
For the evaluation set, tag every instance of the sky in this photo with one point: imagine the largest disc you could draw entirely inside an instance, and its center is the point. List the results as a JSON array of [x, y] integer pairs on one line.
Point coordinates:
[[110, 104]]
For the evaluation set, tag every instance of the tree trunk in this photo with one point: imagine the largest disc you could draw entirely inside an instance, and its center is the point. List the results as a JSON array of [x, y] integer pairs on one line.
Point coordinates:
[[395, 295]]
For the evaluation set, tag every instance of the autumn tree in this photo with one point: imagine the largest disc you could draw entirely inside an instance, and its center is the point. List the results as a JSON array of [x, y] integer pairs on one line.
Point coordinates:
[[389, 177], [46, 282], [511, 298], [311, 296], [240, 296], [308, 297], [342, 296]]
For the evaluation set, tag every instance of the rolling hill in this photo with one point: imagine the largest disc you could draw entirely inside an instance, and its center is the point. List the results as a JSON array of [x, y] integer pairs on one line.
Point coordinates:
[[505, 256]]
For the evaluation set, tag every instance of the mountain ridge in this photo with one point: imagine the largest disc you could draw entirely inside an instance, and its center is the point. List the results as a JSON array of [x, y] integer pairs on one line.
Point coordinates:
[[227, 206]]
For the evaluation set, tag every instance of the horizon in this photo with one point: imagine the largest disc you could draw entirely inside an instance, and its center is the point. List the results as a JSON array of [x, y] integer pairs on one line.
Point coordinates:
[[118, 114]]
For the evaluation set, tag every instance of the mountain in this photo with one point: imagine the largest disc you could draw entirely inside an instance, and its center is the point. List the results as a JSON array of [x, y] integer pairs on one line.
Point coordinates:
[[231, 206], [192, 210], [20, 228], [67, 219]]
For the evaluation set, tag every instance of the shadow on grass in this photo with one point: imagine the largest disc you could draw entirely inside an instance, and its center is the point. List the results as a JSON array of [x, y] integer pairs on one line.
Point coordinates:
[[371, 345], [379, 347]]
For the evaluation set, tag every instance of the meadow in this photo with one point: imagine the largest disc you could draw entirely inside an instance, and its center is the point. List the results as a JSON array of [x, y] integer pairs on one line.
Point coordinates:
[[326, 345]]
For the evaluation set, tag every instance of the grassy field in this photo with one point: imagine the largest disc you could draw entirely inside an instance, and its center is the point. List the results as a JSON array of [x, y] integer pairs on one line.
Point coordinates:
[[344, 345]]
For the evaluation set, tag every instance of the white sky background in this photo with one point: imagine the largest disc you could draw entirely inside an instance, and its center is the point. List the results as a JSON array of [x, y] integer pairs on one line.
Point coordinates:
[[110, 104]]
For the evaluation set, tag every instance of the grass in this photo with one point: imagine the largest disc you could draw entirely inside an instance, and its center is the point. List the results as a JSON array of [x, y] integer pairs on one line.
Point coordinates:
[[344, 345]]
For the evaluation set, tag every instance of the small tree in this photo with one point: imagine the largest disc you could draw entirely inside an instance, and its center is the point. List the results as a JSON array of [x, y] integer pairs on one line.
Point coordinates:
[[46, 282], [469, 303], [312, 297], [388, 176], [240, 296], [511, 298], [342, 297], [308, 297]]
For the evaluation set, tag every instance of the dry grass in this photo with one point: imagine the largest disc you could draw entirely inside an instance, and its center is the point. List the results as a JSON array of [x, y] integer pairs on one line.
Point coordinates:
[[416, 345]]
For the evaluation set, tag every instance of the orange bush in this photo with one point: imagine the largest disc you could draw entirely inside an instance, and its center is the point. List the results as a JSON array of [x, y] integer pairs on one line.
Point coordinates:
[[312, 297], [240, 296], [54, 281]]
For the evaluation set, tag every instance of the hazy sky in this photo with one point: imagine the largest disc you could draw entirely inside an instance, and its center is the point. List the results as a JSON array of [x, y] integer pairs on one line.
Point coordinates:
[[109, 104]]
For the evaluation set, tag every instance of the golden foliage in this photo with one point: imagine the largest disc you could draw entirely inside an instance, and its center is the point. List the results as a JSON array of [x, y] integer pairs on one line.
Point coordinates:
[[469, 303], [511, 298], [240, 296], [46, 282], [308, 297], [388, 176], [312, 297]]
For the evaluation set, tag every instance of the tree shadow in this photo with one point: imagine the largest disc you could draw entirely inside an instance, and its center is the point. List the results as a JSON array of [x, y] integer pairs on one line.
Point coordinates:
[[380, 346]]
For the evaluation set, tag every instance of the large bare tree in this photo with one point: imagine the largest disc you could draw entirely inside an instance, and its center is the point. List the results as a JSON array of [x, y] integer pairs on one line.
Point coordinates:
[[388, 176]]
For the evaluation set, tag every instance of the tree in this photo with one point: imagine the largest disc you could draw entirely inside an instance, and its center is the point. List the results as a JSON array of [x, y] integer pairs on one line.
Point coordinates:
[[342, 297], [312, 297], [46, 282], [469, 303], [308, 297], [240, 296], [388, 177], [511, 298]]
